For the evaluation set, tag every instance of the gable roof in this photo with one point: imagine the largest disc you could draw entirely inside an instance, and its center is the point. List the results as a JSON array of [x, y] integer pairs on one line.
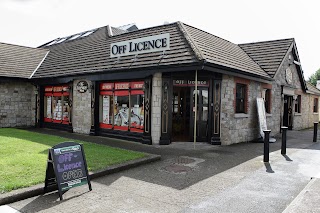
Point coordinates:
[[268, 54], [188, 45], [219, 51], [18, 61], [80, 55]]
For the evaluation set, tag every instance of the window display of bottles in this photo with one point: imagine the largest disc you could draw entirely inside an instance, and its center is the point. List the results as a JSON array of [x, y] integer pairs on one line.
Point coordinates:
[[56, 104], [122, 106]]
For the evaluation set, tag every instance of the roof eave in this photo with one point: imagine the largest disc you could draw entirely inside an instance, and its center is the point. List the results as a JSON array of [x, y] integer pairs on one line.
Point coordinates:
[[237, 73]]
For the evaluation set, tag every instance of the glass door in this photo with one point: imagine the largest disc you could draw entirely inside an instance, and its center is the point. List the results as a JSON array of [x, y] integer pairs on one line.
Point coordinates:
[[181, 114], [202, 113]]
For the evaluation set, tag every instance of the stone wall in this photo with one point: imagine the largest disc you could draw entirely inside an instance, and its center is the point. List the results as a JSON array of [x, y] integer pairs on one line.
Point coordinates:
[[17, 104], [156, 108], [301, 120], [238, 127], [81, 109], [307, 117], [243, 127]]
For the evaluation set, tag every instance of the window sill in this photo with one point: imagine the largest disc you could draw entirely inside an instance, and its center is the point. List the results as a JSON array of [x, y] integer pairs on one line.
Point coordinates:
[[241, 115], [268, 115], [315, 113], [297, 114]]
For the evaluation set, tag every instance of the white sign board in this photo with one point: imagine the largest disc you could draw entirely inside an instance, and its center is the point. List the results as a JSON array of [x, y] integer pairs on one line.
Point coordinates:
[[105, 107], [261, 116], [141, 45], [49, 107]]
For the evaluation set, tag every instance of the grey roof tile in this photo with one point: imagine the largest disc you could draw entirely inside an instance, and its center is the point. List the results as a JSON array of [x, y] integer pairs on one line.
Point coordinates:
[[219, 51], [92, 53], [268, 54], [18, 61], [188, 45]]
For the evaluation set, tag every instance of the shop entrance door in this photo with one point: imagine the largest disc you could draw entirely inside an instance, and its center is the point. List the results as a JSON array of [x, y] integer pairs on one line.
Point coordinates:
[[287, 111], [181, 114], [202, 114]]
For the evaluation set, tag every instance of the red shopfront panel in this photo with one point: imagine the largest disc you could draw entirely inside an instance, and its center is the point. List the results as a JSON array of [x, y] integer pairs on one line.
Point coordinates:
[[105, 126], [121, 93], [106, 93]]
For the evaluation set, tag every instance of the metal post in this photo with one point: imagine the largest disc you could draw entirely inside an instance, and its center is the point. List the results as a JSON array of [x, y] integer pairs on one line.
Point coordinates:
[[266, 146], [315, 131], [195, 110], [284, 140]]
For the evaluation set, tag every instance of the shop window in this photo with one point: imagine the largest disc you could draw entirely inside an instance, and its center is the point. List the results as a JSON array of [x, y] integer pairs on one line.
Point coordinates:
[[121, 111], [297, 106], [122, 106], [315, 105], [137, 112], [56, 104], [267, 101], [107, 110], [241, 98]]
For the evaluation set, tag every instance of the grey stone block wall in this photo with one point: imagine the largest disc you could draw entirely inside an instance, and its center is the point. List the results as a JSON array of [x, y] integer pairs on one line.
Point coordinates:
[[156, 108], [81, 109], [301, 120], [17, 104], [307, 117], [237, 128]]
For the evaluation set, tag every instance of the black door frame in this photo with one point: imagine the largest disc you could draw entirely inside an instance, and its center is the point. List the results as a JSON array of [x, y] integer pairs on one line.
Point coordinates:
[[214, 104], [287, 119]]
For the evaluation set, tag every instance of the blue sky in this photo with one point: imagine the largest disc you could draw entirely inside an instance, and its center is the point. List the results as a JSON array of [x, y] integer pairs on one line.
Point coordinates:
[[34, 22]]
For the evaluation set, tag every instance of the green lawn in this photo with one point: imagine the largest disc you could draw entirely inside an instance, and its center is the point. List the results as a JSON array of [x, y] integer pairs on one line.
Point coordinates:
[[23, 157]]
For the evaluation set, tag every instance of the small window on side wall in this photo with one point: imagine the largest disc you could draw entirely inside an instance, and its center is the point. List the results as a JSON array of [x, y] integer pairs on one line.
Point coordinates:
[[267, 101], [315, 105], [297, 107], [241, 98]]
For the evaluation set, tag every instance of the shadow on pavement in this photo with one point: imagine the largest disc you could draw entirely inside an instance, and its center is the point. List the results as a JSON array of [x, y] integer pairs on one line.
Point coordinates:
[[46, 201], [268, 167], [287, 158]]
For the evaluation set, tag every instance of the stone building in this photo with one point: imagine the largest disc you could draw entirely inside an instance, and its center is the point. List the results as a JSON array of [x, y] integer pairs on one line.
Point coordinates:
[[169, 83], [18, 94]]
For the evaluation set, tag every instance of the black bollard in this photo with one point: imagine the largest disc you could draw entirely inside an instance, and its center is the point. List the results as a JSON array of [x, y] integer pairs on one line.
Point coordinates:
[[266, 146], [284, 140], [315, 131]]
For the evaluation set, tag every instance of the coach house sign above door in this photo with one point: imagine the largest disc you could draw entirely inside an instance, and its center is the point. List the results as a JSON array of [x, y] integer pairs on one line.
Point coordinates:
[[141, 45]]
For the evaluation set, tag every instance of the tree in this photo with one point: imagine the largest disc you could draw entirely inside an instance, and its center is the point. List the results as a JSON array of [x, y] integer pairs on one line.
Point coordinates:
[[314, 77]]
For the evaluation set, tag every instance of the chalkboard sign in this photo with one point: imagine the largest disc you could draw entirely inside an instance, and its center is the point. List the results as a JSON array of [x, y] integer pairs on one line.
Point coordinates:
[[66, 167]]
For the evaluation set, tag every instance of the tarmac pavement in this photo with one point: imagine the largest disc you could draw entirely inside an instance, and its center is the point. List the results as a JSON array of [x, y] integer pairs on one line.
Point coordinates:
[[198, 178]]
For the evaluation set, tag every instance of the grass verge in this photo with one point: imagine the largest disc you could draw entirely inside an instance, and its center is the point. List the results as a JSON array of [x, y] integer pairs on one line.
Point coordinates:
[[23, 157]]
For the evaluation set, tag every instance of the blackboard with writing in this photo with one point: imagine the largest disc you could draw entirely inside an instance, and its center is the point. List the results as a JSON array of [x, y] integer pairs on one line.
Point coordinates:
[[67, 167]]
